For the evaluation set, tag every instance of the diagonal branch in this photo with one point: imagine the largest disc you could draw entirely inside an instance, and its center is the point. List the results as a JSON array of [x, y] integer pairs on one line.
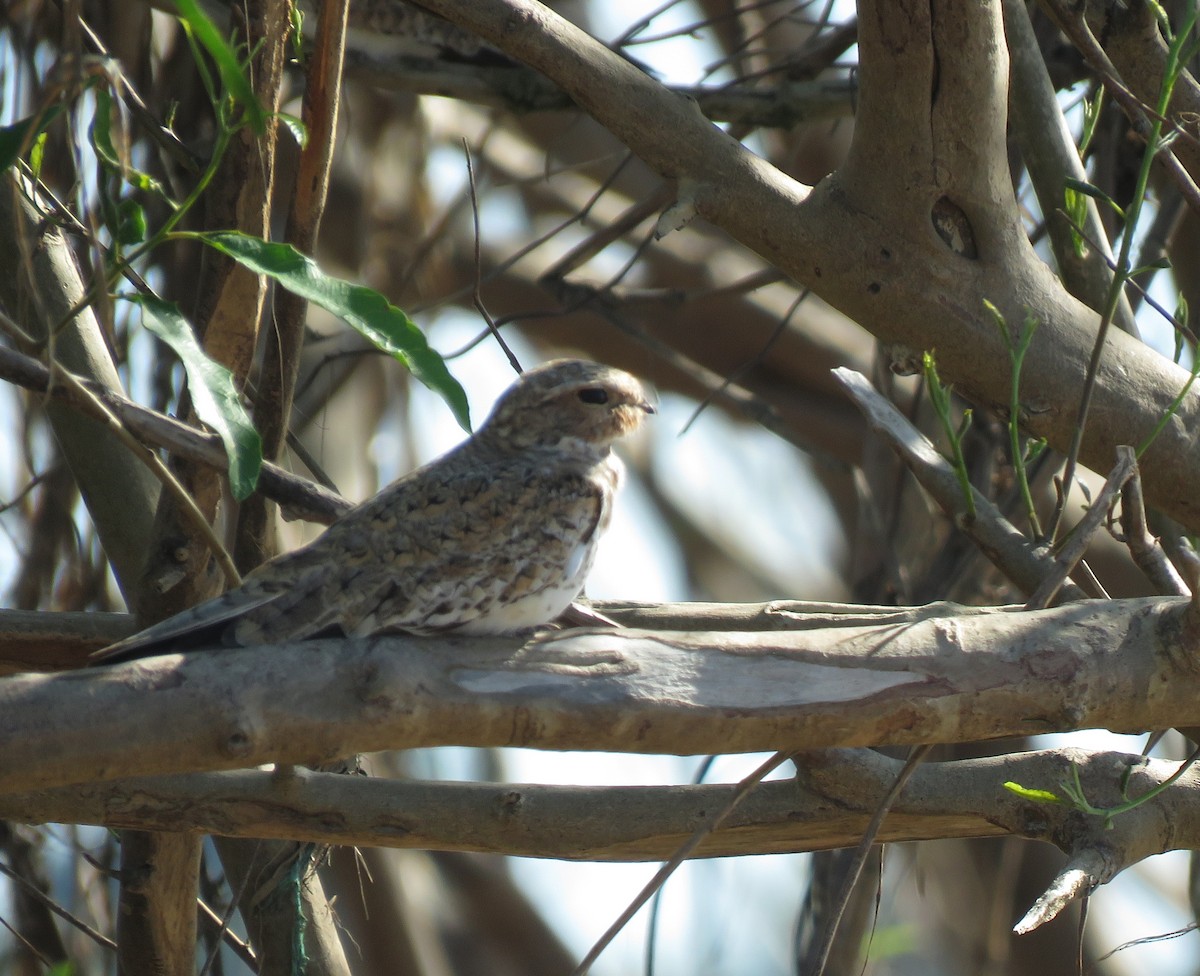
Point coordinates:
[[299, 495], [914, 283]]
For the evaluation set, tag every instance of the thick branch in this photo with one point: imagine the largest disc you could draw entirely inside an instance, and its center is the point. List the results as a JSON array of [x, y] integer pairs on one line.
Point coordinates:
[[913, 283], [825, 807], [517, 89], [40, 283], [1118, 664], [56, 641]]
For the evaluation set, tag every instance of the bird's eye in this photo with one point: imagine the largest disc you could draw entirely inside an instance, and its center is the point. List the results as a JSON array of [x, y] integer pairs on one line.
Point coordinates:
[[593, 395]]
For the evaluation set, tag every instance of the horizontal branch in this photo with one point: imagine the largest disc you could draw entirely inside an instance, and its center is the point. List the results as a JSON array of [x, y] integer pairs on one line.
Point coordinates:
[[827, 805], [1121, 664], [40, 640]]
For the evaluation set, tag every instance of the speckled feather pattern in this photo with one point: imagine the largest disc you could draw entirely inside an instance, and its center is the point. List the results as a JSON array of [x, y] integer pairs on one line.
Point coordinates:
[[495, 537]]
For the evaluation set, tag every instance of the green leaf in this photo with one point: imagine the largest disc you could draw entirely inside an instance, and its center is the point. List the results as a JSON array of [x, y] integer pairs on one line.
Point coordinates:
[[131, 222], [106, 150], [1093, 191], [296, 127], [1075, 204], [1037, 796], [21, 135], [232, 75], [1091, 115], [214, 394], [37, 155], [384, 325]]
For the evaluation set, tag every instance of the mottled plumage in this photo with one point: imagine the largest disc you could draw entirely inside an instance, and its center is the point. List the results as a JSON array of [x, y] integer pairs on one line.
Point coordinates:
[[496, 536]]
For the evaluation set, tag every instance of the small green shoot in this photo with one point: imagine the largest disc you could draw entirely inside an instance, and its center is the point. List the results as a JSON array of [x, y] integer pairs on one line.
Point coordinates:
[[939, 396], [1174, 406], [1074, 791], [1181, 324], [1036, 796], [1093, 191], [1018, 346], [1075, 204], [1091, 115]]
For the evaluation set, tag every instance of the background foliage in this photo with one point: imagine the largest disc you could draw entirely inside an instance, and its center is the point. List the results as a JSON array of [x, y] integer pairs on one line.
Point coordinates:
[[468, 191]]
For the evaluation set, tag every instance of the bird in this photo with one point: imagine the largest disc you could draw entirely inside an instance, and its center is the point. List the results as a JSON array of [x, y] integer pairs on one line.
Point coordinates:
[[495, 537]]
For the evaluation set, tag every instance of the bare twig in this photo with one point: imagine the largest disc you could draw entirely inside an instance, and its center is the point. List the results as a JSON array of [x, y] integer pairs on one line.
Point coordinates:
[[186, 504], [1147, 554], [1076, 544], [298, 494], [477, 291], [744, 788]]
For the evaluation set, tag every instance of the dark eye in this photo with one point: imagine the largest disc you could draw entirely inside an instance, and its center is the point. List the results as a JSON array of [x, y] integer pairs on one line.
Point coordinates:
[[594, 395]]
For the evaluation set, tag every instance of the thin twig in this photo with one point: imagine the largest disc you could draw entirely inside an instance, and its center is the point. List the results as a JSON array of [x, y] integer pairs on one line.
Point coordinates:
[[477, 291], [35, 892], [1077, 542], [1148, 555], [186, 503], [915, 757], [742, 790]]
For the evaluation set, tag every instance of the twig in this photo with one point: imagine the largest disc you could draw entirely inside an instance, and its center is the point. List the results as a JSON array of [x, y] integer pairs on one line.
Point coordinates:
[[1077, 542], [916, 756], [477, 291], [159, 470], [1147, 554], [35, 892], [743, 789]]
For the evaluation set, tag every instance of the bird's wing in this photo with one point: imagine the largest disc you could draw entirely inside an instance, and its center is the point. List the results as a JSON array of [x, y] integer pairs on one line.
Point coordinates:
[[204, 623]]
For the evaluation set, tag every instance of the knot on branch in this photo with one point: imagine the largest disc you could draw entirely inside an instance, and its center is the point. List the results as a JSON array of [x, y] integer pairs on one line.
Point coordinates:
[[953, 226]]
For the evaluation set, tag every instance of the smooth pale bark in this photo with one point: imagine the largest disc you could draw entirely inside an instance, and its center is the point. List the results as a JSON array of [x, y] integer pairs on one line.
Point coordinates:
[[1120, 664], [911, 235], [826, 805]]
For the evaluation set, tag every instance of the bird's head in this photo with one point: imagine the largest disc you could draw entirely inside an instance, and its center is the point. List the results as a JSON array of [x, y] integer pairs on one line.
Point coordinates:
[[569, 405]]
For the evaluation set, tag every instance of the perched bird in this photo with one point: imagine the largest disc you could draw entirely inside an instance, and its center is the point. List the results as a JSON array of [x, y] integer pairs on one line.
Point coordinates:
[[495, 537]]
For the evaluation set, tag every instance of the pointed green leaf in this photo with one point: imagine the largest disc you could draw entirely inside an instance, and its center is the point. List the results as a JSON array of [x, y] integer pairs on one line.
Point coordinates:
[[214, 394], [106, 150], [21, 135], [296, 127], [37, 155], [1037, 796], [232, 75], [384, 325], [131, 222], [1093, 191]]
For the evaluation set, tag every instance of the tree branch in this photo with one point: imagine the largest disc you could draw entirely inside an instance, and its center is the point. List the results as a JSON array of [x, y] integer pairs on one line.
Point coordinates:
[[883, 238], [299, 495], [1121, 664], [825, 806], [518, 89]]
